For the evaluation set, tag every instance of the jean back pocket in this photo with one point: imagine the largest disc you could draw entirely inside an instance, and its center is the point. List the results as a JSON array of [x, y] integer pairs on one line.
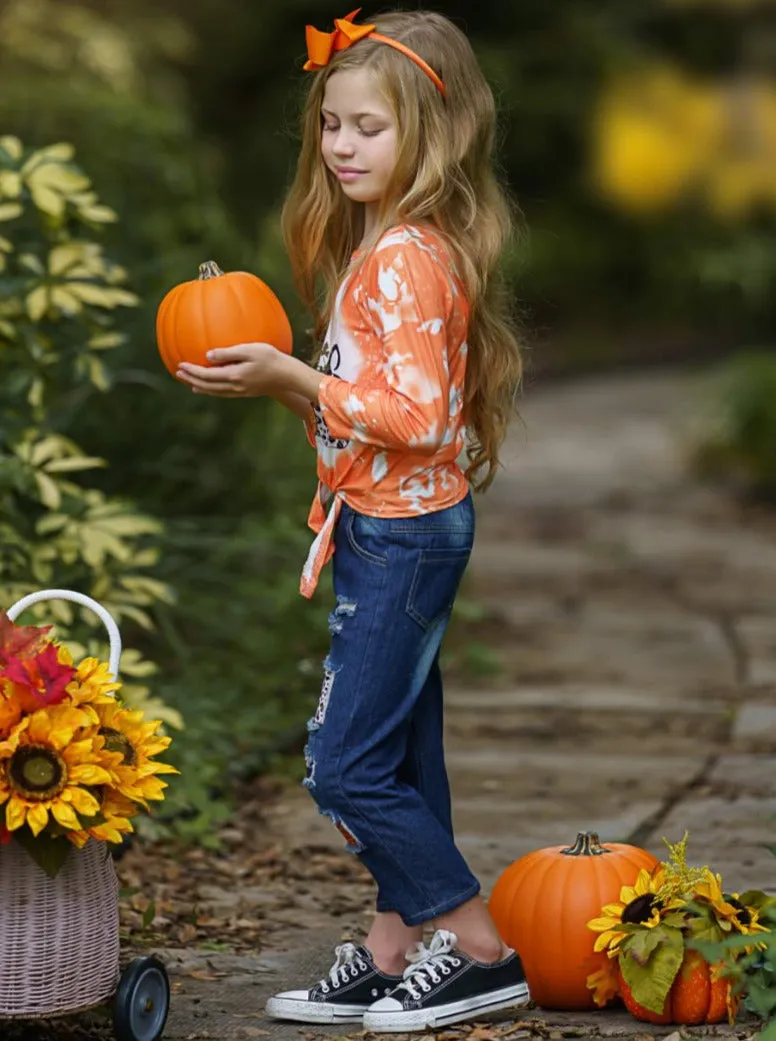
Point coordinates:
[[438, 574]]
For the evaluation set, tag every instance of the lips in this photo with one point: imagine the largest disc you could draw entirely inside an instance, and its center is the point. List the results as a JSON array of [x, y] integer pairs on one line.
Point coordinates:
[[348, 174]]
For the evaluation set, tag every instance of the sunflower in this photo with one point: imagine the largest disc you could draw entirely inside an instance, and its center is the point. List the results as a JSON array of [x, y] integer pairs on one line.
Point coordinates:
[[126, 731], [46, 767], [113, 821], [92, 683], [605, 983], [728, 910], [638, 904]]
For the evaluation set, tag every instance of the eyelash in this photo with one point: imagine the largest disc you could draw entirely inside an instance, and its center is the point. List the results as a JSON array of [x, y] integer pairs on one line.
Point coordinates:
[[364, 133]]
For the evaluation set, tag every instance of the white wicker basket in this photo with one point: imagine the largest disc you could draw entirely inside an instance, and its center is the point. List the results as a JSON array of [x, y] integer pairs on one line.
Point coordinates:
[[59, 937]]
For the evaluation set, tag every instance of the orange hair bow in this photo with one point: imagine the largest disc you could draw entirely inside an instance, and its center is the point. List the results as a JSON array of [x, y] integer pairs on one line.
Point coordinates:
[[321, 46]]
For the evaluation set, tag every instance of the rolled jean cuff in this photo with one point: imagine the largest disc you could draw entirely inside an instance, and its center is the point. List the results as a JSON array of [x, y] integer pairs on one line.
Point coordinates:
[[420, 917]]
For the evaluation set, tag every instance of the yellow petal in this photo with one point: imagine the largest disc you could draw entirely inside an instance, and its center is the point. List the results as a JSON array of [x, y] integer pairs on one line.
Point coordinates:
[[642, 882], [82, 802], [156, 768], [15, 813], [64, 815], [87, 773], [111, 830], [63, 655], [602, 941], [37, 818], [601, 924], [615, 910]]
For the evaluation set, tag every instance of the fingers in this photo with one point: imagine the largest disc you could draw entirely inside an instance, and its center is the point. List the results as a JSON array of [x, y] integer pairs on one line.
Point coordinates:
[[224, 381], [228, 355], [220, 390], [188, 368]]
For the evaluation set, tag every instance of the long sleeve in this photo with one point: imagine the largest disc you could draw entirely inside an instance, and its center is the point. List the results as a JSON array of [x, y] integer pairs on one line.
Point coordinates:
[[402, 401]]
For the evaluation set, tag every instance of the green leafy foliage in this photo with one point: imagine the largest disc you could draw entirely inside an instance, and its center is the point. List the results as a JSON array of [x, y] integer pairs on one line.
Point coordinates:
[[59, 294], [650, 962], [741, 434], [753, 970]]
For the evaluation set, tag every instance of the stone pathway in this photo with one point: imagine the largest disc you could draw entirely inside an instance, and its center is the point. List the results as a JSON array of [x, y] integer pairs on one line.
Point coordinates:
[[635, 616]]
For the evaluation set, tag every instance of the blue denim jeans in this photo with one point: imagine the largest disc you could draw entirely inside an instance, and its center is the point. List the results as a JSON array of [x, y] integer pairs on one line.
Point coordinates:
[[375, 757]]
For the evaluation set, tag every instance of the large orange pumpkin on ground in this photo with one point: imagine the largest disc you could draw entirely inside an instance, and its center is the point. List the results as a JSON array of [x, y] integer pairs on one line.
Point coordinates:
[[218, 310], [542, 903], [693, 998]]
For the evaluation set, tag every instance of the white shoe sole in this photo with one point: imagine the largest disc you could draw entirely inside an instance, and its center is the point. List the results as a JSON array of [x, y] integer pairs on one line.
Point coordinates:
[[446, 1015], [313, 1011]]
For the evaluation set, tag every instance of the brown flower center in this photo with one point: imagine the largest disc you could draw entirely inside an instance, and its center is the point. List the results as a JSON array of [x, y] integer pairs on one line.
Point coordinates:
[[115, 741], [37, 773], [744, 916], [640, 909]]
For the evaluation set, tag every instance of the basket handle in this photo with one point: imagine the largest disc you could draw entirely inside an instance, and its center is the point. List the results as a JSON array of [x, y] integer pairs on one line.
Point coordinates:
[[86, 601]]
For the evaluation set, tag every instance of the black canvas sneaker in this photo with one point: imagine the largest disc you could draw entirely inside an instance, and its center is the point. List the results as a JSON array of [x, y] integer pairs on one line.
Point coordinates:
[[446, 986], [353, 984]]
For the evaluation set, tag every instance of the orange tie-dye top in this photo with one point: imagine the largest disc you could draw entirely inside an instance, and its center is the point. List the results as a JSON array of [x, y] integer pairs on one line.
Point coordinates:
[[389, 425]]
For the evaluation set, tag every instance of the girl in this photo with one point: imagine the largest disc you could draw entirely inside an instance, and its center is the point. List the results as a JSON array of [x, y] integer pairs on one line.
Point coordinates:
[[397, 215]]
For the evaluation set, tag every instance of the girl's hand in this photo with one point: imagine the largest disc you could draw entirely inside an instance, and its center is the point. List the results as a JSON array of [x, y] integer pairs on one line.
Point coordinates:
[[246, 370]]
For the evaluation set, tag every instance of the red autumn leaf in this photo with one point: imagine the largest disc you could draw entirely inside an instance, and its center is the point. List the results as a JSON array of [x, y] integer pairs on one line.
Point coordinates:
[[44, 676], [5, 835], [21, 641]]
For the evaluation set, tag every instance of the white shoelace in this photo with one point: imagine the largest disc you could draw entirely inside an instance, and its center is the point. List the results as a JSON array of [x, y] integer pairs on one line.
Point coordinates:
[[429, 964], [346, 967]]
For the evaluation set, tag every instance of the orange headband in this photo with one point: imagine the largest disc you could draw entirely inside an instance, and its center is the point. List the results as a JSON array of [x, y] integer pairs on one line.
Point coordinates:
[[321, 46]]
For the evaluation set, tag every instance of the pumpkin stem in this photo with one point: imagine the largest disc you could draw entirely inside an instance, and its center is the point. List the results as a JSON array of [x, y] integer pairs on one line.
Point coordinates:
[[209, 270], [587, 845]]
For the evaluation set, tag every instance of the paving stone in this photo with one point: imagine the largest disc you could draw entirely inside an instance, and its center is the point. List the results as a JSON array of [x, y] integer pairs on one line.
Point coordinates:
[[733, 836], [749, 774], [758, 635], [579, 697], [623, 644], [755, 721], [540, 771], [586, 441]]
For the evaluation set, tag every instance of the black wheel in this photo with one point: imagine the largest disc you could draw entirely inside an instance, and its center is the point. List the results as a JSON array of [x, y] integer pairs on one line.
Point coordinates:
[[142, 1001]]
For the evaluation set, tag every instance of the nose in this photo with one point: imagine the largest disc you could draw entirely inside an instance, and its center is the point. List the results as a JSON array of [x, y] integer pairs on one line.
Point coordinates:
[[343, 144]]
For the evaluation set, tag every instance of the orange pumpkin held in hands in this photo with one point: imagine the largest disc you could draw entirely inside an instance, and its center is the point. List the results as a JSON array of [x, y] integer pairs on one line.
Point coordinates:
[[218, 310], [542, 903]]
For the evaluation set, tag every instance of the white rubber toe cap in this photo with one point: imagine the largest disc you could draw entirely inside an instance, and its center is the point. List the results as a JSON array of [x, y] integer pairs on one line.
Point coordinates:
[[386, 1005], [292, 995]]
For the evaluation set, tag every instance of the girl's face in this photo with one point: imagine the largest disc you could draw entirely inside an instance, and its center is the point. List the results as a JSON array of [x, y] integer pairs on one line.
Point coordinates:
[[359, 136]]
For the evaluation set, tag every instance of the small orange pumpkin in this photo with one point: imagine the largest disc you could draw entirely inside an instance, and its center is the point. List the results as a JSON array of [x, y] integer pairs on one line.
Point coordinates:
[[693, 998], [218, 310], [542, 903]]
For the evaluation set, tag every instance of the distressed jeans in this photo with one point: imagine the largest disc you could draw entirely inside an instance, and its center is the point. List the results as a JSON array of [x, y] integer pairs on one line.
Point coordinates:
[[375, 757]]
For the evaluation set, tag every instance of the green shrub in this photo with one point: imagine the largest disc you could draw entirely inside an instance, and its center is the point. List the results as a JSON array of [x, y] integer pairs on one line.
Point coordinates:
[[59, 295], [753, 973], [740, 440]]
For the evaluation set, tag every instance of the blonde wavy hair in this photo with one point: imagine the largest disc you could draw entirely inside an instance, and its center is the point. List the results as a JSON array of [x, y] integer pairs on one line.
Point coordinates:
[[444, 177]]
